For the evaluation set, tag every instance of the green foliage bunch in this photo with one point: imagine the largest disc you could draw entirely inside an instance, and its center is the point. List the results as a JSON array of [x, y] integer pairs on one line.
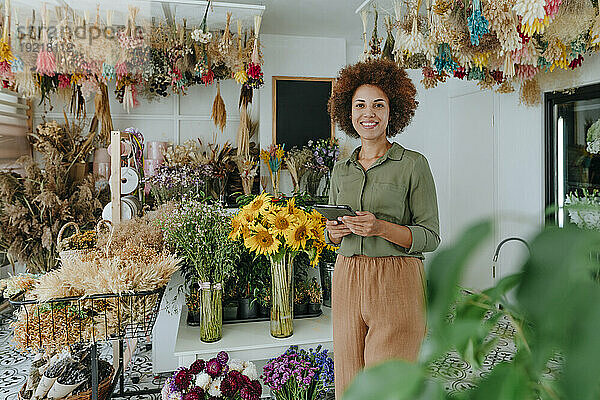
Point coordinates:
[[555, 312]]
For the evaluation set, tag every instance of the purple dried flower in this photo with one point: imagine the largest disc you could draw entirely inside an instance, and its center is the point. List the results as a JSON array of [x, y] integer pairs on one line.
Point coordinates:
[[223, 357]]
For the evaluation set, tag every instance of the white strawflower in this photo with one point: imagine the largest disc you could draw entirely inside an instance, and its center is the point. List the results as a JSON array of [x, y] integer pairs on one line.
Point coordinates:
[[200, 36], [203, 380], [250, 371], [215, 388], [236, 365]]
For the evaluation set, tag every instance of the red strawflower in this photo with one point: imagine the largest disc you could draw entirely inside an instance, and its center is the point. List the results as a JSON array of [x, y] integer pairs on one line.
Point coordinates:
[[208, 77], [197, 366], [183, 378], [213, 367], [460, 73], [576, 62], [254, 71], [64, 81], [524, 37]]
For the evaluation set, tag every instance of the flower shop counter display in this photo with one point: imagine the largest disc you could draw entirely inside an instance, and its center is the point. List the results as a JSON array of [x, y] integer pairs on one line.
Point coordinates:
[[251, 341]]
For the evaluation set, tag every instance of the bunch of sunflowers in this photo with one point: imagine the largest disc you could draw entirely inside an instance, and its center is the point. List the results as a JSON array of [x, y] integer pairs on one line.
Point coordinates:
[[274, 227], [280, 230]]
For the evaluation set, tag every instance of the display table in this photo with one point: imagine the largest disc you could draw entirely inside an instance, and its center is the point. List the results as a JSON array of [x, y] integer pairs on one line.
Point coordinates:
[[252, 341]]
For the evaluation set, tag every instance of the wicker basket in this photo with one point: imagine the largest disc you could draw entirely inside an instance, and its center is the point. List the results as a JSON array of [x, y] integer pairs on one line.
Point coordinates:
[[103, 390], [69, 255]]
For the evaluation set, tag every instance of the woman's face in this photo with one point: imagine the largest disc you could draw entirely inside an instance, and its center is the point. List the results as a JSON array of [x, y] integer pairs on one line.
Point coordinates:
[[370, 111]]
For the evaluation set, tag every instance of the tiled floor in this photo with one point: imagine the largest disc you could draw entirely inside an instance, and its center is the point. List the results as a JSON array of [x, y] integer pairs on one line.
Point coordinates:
[[456, 373]]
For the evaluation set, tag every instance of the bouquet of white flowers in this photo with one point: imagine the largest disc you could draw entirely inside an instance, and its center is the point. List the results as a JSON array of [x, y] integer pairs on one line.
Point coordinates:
[[593, 138], [584, 210]]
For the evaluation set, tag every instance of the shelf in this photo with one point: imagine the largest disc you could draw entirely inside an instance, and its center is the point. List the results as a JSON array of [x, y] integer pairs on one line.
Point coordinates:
[[252, 341]]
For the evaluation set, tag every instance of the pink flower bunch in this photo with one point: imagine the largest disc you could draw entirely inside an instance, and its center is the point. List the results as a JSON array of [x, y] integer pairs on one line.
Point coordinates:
[[526, 72]]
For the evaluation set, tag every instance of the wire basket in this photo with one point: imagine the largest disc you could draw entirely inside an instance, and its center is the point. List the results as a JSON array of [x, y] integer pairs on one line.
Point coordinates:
[[55, 324]]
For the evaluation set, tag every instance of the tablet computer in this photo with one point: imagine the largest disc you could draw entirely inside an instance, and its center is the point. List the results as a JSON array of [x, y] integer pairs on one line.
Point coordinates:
[[332, 212]]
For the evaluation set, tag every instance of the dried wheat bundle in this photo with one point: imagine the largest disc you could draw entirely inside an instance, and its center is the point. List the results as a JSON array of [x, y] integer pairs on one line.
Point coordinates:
[[243, 134], [133, 232], [574, 17], [505, 87], [219, 113], [503, 24], [531, 93], [556, 54]]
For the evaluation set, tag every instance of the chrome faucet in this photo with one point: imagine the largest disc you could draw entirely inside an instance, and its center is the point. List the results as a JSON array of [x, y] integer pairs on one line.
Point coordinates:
[[495, 259]]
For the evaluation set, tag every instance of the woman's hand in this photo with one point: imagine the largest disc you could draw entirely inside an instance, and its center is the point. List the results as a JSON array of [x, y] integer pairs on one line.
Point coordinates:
[[336, 231], [364, 224]]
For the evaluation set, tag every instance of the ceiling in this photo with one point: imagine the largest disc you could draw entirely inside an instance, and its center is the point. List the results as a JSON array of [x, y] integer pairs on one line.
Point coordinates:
[[325, 18], [321, 18]]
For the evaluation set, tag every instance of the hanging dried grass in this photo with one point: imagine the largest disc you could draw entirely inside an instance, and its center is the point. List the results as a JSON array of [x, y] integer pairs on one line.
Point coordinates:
[[556, 54], [505, 87], [526, 72], [102, 113], [243, 134], [364, 14], [219, 113], [574, 17], [531, 93], [25, 85], [503, 24], [527, 54]]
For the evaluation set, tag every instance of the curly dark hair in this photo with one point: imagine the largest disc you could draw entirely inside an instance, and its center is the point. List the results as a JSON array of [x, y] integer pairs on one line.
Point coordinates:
[[388, 77]]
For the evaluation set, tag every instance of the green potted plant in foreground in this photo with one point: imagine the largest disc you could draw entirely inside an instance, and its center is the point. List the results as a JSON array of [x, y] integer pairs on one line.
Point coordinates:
[[554, 311], [199, 233]]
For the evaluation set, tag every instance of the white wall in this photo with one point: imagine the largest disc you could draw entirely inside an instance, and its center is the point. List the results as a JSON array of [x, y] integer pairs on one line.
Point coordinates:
[[176, 118]]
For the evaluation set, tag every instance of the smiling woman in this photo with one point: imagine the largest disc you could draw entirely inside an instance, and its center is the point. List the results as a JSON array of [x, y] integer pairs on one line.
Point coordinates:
[[379, 264]]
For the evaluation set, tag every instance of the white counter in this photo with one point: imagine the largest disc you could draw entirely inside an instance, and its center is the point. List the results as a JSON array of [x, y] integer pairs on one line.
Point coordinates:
[[252, 341]]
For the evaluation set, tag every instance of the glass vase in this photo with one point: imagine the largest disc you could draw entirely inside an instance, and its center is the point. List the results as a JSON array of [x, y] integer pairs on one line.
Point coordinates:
[[211, 323], [282, 296]]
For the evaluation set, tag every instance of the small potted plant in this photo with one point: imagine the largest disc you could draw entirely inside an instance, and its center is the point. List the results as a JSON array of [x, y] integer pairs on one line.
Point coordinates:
[[192, 300], [231, 297], [248, 306], [315, 297], [301, 299]]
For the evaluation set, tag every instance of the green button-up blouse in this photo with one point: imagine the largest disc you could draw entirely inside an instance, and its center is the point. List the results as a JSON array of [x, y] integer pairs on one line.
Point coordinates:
[[398, 188]]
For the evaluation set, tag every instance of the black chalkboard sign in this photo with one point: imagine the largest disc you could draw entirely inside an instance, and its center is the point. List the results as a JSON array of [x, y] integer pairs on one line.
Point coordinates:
[[300, 110]]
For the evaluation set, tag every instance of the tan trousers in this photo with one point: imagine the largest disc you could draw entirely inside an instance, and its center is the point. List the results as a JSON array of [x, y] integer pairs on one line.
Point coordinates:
[[378, 306]]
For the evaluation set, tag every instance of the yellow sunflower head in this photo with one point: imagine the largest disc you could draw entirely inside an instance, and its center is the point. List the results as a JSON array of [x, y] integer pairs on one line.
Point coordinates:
[[291, 209], [259, 206], [261, 241], [236, 227], [280, 222], [299, 233]]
